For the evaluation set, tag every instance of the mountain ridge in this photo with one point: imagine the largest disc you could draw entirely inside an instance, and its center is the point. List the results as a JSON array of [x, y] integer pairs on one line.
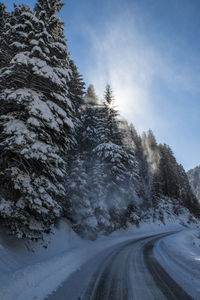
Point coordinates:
[[194, 179]]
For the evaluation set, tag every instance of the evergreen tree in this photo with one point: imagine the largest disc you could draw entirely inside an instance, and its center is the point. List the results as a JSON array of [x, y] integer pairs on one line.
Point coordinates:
[[35, 121], [111, 118], [152, 156], [108, 95], [186, 194], [99, 201], [90, 96], [168, 172], [4, 16], [115, 160], [76, 93], [151, 140], [173, 180], [81, 211], [142, 182], [62, 153], [89, 119], [76, 86]]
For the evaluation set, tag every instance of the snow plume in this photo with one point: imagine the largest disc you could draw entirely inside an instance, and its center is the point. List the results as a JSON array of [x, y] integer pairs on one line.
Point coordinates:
[[151, 152], [153, 158]]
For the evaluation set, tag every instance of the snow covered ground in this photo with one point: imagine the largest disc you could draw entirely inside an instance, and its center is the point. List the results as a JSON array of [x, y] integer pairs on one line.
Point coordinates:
[[180, 256], [33, 275]]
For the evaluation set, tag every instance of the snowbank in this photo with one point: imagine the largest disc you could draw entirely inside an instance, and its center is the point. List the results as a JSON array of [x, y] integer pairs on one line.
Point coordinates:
[[179, 254], [33, 275]]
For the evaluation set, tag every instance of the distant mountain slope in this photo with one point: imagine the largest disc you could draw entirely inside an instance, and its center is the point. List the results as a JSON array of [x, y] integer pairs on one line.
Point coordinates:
[[194, 179]]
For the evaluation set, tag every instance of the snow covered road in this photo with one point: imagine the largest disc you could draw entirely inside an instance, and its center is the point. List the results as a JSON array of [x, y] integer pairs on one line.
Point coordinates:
[[125, 271]]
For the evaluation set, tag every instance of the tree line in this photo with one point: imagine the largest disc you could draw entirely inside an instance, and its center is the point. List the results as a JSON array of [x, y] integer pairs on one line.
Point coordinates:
[[64, 153]]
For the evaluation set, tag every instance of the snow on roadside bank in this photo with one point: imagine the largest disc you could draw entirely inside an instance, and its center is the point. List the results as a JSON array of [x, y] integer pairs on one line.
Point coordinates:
[[179, 254], [26, 275]]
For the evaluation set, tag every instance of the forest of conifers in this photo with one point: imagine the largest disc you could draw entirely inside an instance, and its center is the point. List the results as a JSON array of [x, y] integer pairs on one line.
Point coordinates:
[[63, 151]]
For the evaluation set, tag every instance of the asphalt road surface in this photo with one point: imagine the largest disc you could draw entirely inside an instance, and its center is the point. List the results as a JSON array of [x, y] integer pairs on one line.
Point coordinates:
[[128, 271]]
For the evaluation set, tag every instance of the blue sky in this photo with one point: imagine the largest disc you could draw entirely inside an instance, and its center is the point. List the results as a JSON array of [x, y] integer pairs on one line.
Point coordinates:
[[149, 51]]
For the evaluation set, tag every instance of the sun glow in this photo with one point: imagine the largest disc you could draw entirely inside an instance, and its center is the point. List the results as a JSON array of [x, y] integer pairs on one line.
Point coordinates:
[[127, 68]]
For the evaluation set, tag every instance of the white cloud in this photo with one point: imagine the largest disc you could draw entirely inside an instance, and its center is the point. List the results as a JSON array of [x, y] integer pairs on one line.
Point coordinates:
[[121, 64], [125, 58]]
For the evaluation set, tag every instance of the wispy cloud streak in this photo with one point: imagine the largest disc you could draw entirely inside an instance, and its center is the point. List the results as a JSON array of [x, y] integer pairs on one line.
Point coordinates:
[[126, 59]]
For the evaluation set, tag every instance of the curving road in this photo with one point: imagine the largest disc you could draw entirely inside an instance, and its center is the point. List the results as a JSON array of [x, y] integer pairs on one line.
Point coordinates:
[[128, 271]]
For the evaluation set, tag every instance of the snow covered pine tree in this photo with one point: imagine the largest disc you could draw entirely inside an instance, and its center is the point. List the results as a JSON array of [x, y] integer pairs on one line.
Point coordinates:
[[3, 21], [35, 120], [114, 159], [63, 153], [76, 91]]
